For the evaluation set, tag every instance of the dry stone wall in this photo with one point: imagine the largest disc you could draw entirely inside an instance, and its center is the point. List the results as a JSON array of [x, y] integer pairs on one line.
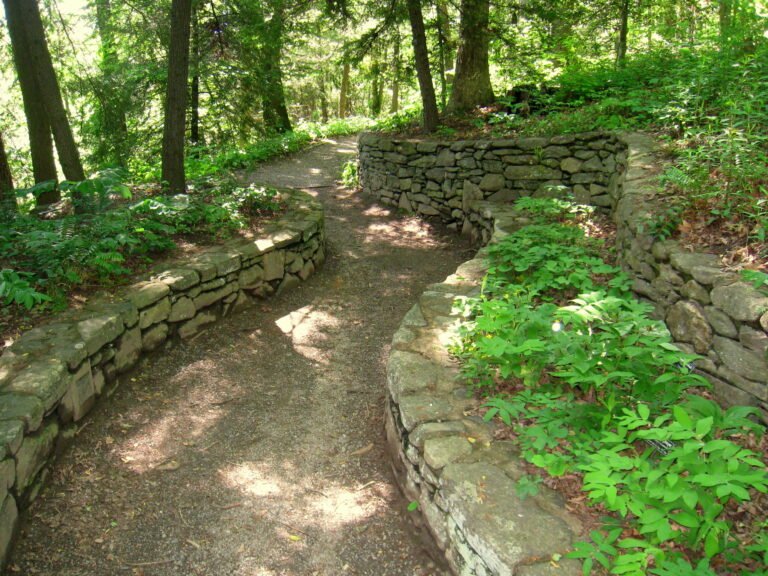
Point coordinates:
[[464, 479], [52, 376], [448, 460], [444, 179]]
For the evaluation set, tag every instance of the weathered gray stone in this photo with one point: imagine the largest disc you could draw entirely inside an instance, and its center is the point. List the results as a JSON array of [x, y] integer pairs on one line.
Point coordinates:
[[128, 350], [420, 408], [208, 298], [274, 265], [251, 276], [289, 282], [145, 294], [11, 436], [151, 339], [100, 330], [740, 301], [193, 326], [33, 455], [764, 321], [556, 152], [501, 528], [45, 379], [26, 409], [492, 182], [695, 291], [720, 321], [210, 285], [410, 373], [155, 314], [80, 395], [570, 165], [757, 389], [532, 173], [532, 143], [178, 279], [441, 451], [741, 360], [471, 194], [182, 309], [445, 158], [7, 474], [307, 270], [434, 430], [711, 276], [9, 515], [687, 261], [755, 340]]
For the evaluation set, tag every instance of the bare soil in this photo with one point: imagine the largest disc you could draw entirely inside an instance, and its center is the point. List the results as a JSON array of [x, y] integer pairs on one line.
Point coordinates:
[[257, 448]]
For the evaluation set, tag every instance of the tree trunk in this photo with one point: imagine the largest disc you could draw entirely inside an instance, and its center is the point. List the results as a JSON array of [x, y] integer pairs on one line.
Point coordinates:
[[112, 101], [344, 92], [323, 99], [194, 102], [274, 108], [7, 193], [376, 89], [66, 147], [176, 97], [421, 55], [443, 31], [472, 84], [395, 105], [621, 43], [725, 16], [38, 125]]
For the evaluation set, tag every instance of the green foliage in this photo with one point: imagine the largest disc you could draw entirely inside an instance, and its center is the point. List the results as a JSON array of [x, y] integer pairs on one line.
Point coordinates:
[[16, 289], [599, 390], [49, 256], [349, 176]]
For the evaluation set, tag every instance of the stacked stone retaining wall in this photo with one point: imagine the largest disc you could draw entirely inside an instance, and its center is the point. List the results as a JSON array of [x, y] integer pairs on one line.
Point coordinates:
[[443, 179], [463, 479], [53, 375]]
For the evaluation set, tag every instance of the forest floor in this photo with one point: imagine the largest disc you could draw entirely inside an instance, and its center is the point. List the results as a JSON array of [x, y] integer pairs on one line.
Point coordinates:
[[257, 449]]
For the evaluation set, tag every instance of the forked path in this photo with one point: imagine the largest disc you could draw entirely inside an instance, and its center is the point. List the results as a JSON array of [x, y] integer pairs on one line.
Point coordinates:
[[257, 448]]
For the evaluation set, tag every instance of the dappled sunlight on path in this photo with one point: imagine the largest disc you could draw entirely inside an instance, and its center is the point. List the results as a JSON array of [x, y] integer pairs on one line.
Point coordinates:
[[257, 448]]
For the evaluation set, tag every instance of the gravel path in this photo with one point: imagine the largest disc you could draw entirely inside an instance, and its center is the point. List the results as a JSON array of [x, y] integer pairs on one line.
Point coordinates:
[[257, 449]]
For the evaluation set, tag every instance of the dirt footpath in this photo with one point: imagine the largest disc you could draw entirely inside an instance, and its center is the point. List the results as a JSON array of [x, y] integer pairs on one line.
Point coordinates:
[[257, 448]]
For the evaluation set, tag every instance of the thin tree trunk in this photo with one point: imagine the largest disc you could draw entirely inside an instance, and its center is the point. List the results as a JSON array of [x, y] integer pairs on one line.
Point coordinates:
[[421, 54], [194, 103], [344, 91], [376, 84], [38, 125], [725, 16], [323, 99], [472, 84], [442, 41], [7, 193], [176, 97], [395, 105], [621, 44], [66, 147]]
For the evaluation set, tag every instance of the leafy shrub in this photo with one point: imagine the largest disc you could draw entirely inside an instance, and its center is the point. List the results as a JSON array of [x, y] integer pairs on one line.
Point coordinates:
[[594, 387]]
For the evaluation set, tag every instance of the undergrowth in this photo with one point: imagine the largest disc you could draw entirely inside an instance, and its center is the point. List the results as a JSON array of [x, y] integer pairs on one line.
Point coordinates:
[[709, 107], [593, 388]]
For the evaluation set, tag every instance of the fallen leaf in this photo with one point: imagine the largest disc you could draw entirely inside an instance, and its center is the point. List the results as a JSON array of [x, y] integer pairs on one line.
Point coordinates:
[[294, 537], [362, 451], [169, 466]]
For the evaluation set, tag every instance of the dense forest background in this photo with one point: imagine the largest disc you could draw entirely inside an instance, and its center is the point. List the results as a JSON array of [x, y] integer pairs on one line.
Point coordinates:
[[103, 99]]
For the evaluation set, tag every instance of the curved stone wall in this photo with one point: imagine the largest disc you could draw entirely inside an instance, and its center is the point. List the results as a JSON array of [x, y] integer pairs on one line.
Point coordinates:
[[449, 462], [464, 480], [52, 376], [444, 179]]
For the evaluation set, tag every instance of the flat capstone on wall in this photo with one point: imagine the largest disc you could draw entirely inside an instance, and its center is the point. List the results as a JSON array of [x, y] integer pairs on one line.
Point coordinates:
[[53, 375]]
